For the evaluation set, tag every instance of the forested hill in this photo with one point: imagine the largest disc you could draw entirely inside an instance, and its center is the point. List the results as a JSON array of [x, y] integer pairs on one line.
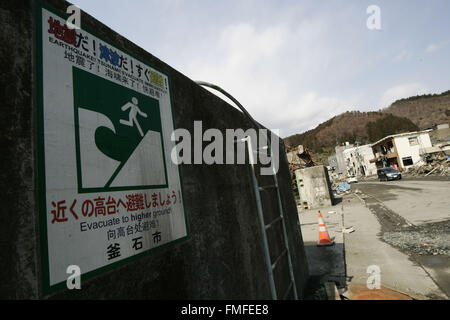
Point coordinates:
[[425, 111], [411, 114], [351, 126]]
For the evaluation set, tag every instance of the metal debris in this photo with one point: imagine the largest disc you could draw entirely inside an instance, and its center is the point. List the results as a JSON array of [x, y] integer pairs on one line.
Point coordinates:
[[436, 165]]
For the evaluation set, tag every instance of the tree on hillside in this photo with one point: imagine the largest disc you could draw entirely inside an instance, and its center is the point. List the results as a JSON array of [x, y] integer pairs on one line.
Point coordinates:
[[388, 125]]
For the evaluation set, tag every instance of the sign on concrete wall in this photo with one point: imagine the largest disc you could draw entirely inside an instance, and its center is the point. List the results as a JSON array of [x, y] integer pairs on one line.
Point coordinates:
[[108, 189]]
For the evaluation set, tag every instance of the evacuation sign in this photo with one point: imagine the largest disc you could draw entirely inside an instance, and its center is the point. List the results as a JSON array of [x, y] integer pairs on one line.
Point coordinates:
[[118, 129], [108, 189]]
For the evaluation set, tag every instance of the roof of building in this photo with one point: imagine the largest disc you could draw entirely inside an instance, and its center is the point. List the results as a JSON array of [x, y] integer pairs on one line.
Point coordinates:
[[400, 135]]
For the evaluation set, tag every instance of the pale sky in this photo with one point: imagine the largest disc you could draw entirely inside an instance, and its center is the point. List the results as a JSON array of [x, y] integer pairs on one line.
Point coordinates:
[[294, 64]]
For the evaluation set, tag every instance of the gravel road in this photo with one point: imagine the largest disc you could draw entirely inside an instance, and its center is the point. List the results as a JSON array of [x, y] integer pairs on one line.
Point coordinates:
[[427, 239]]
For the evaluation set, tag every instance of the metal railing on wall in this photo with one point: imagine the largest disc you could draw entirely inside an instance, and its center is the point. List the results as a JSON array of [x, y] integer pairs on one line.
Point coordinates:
[[270, 266]]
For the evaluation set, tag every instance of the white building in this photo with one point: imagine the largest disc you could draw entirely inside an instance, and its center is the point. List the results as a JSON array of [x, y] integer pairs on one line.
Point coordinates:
[[340, 166], [357, 161], [400, 150]]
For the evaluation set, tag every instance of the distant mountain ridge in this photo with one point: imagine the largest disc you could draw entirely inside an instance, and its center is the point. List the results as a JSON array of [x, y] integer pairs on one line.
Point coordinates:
[[425, 111], [410, 114]]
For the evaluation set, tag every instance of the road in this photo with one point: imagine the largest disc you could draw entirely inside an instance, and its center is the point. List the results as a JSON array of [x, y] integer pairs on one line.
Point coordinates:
[[402, 227], [418, 201], [414, 218]]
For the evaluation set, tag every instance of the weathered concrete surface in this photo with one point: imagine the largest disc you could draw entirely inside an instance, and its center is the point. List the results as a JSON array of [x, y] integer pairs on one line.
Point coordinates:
[[223, 257], [314, 187], [347, 261], [424, 203], [364, 248], [324, 263], [18, 217], [438, 267], [417, 201]]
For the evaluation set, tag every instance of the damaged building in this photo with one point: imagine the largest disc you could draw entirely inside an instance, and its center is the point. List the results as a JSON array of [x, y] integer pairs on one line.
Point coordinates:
[[357, 161], [400, 151]]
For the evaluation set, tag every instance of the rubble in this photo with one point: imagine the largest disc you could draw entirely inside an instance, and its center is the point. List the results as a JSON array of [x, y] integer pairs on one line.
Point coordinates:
[[340, 187], [299, 157], [436, 165], [348, 230]]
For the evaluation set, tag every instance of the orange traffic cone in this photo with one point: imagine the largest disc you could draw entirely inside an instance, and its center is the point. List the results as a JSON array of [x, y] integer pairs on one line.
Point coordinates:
[[324, 238]]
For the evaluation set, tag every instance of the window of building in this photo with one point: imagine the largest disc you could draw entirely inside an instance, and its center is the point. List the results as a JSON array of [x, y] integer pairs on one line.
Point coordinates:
[[413, 141], [407, 161]]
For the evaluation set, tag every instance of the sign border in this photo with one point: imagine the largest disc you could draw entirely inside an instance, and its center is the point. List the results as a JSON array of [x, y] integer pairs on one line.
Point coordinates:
[[41, 183]]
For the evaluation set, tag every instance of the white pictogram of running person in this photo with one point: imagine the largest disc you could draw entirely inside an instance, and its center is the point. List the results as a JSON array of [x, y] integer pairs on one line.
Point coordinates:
[[132, 118]]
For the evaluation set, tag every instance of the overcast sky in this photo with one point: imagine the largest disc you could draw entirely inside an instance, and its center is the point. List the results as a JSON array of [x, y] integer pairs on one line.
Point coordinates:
[[294, 64]]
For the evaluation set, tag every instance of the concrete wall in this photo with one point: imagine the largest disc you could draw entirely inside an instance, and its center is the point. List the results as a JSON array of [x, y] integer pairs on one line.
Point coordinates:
[[314, 187], [223, 256]]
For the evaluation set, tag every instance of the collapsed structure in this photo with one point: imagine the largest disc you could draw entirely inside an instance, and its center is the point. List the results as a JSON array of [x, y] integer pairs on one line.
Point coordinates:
[[410, 152], [310, 179], [400, 151], [423, 152]]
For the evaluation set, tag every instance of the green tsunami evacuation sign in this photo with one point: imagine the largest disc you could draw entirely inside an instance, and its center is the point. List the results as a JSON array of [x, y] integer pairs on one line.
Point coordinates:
[[121, 127], [108, 189]]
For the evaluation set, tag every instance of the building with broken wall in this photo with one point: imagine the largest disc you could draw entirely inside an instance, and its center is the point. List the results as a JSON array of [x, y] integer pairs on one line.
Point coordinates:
[[333, 167], [341, 168], [435, 159], [357, 160], [400, 151], [403, 151]]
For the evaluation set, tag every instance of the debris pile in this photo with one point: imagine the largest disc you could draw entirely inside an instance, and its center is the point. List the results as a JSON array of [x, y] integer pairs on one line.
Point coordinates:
[[340, 187], [299, 157], [436, 165]]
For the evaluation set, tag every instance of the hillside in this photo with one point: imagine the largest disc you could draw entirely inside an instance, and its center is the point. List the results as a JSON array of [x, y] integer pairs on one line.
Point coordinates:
[[335, 131], [350, 126], [410, 114], [425, 111]]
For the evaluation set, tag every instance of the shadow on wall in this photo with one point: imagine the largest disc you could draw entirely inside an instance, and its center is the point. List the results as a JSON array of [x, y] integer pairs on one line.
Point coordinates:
[[336, 200], [325, 264]]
